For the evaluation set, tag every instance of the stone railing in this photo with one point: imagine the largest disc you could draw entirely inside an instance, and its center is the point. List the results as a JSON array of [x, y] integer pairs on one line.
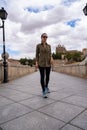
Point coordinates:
[[1, 73], [75, 70], [16, 71]]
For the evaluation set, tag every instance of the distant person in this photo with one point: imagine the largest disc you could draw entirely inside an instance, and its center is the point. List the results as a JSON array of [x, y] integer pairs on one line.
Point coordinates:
[[43, 62]]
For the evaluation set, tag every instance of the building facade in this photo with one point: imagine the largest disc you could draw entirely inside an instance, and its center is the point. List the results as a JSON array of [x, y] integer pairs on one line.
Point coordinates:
[[84, 51], [60, 49]]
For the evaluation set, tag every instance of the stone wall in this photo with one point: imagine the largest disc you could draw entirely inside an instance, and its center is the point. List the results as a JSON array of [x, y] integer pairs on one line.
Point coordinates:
[[16, 71], [1, 73], [75, 70]]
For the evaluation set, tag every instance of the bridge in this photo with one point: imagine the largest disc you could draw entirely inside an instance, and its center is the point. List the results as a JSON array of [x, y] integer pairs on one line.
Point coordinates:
[[22, 106]]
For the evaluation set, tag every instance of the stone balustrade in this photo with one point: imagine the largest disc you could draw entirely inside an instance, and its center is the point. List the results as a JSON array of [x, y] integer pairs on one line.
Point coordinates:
[[1, 73], [75, 70], [16, 71]]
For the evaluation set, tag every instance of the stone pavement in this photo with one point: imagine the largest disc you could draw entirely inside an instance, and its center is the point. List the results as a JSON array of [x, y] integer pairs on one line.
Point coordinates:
[[22, 106]]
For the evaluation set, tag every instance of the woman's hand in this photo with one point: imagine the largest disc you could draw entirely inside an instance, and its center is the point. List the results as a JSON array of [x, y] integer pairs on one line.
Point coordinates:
[[36, 65], [52, 61]]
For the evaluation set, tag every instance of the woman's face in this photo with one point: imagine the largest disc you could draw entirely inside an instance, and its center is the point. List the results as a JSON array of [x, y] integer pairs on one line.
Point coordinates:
[[44, 38]]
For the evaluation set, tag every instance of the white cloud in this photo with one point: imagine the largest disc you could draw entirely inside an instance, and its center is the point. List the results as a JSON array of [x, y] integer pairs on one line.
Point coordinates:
[[23, 28]]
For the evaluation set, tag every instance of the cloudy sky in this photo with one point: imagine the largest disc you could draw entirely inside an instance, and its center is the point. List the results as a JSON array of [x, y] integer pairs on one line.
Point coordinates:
[[63, 21]]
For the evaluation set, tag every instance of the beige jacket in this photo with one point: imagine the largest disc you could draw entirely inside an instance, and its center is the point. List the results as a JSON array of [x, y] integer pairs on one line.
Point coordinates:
[[43, 55]]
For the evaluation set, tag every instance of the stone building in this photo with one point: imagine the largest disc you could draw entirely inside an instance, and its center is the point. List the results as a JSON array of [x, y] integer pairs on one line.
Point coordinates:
[[72, 51], [84, 51], [60, 49]]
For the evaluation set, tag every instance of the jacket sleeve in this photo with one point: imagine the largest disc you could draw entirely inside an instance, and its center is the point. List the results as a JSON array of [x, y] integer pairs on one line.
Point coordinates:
[[50, 52], [37, 53]]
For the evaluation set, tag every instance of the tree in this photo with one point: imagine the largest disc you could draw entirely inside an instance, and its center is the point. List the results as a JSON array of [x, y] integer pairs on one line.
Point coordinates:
[[25, 61], [69, 56], [57, 55], [76, 56]]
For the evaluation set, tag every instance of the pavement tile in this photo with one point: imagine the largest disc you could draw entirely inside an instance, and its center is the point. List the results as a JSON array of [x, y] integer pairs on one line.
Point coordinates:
[[8, 92], [81, 120], [77, 100], [22, 106], [29, 89], [32, 90], [62, 111], [19, 96], [70, 127], [69, 90], [83, 93], [33, 121], [12, 111], [58, 95], [4, 101], [37, 102]]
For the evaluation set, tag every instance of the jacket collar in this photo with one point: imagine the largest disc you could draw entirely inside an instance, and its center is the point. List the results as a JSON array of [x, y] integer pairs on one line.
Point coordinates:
[[42, 43]]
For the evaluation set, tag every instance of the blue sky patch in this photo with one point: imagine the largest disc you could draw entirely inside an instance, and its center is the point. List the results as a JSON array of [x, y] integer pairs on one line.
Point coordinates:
[[10, 52], [68, 2], [35, 10], [38, 9], [73, 23], [1, 48]]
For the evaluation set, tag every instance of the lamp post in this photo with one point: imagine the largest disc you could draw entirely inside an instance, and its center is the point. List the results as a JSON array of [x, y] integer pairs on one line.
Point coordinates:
[[3, 16], [85, 10]]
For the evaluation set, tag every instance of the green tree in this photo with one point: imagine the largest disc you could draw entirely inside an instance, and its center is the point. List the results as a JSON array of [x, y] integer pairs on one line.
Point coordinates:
[[23, 61], [77, 56], [57, 55], [69, 56]]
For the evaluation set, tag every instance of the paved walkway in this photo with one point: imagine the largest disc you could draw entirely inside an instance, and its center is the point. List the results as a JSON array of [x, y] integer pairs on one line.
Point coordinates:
[[22, 106]]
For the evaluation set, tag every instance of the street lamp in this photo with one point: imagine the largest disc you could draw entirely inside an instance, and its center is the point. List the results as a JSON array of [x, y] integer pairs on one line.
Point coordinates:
[[85, 12], [3, 16], [85, 9]]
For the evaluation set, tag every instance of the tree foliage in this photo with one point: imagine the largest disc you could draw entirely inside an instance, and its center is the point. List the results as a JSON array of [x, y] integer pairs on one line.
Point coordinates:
[[75, 56], [57, 55], [25, 61]]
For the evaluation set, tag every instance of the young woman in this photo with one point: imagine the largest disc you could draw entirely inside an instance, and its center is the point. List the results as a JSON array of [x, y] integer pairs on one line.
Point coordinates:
[[43, 62]]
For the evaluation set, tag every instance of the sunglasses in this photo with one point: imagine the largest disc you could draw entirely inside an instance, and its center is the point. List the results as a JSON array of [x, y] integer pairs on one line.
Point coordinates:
[[45, 37]]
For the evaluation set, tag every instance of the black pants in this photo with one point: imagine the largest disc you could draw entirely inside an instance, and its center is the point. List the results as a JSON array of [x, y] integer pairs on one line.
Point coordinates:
[[44, 75]]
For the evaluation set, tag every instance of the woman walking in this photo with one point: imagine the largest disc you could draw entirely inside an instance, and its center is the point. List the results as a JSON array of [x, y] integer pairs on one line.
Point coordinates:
[[43, 62]]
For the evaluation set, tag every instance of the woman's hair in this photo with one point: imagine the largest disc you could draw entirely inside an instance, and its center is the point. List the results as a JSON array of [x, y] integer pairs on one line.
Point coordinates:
[[44, 34]]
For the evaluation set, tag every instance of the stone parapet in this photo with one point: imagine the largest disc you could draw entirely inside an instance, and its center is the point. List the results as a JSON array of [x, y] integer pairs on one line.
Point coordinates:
[[75, 70], [16, 71], [1, 72]]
